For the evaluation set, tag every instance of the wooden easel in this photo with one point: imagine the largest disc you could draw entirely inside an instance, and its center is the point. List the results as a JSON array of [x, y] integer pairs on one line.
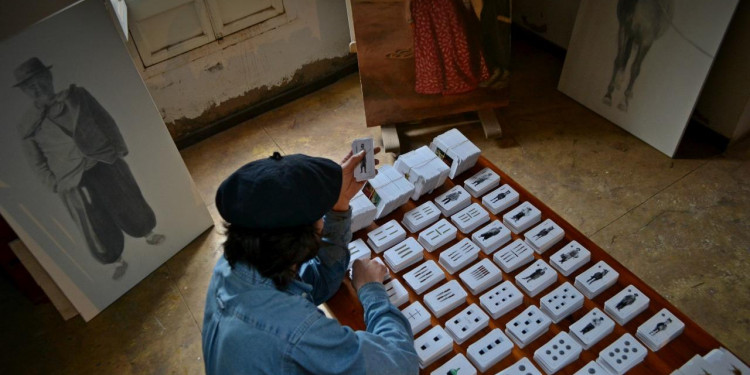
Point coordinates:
[[487, 117]]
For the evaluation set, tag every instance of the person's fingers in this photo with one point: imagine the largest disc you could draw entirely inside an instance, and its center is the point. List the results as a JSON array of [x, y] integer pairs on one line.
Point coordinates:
[[353, 161], [376, 150], [349, 155]]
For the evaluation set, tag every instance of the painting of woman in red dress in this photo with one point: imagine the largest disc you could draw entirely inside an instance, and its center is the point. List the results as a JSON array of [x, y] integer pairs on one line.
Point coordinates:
[[448, 58]]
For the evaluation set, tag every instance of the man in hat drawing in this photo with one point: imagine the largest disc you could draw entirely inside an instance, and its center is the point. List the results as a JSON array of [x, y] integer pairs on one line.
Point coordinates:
[[77, 151], [288, 226]]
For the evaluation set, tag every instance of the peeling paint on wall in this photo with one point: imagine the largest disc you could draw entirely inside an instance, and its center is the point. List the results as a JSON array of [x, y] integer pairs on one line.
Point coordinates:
[[308, 73], [199, 88]]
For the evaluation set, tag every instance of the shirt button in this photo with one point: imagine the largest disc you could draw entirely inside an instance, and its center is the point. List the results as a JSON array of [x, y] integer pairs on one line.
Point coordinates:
[[304, 295]]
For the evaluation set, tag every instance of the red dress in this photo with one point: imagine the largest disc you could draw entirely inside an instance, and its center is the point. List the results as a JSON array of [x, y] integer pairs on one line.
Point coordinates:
[[447, 58]]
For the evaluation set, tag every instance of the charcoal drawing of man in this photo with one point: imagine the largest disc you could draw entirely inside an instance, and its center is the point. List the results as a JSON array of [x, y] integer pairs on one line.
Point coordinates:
[[76, 150]]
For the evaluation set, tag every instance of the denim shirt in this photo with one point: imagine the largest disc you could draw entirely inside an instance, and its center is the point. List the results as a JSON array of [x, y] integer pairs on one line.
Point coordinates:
[[250, 327]]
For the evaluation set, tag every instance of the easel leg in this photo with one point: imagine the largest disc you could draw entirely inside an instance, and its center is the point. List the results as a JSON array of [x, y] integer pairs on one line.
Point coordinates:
[[391, 142], [490, 123]]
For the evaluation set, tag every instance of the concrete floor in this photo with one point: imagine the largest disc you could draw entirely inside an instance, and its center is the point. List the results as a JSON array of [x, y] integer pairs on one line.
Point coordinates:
[[680, 225]]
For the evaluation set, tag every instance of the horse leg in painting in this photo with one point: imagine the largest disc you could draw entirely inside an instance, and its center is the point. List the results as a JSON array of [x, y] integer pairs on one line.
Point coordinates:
[[624, 46], [635, 69]]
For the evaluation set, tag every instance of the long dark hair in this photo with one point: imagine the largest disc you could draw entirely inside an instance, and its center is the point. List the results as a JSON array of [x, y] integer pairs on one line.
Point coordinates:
[[272, 252]]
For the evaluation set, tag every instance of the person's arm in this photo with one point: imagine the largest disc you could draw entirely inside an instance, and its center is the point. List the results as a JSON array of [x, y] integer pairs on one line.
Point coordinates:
[[327, 269], [386, 347]]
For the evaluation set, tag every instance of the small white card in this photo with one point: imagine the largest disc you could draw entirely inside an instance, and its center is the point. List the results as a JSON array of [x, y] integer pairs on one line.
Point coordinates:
[[386, 236], [424, 276], [537, 277], [470, 218], [453, 200], [513, 256], [437, 235], [420, 217], [482, 182], [418, 317], [660, 330], [522, 217], [358, 250], [570, 258], [366, 168], [544, 236], [592, 327], [596, 279], [491, 237], [480, 276], [626, 305], [459, 255], [500, 199], [404, 254]]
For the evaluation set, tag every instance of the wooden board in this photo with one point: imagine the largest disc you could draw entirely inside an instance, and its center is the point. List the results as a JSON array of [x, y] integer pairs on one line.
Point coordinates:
[[55, 295], [694, 340]]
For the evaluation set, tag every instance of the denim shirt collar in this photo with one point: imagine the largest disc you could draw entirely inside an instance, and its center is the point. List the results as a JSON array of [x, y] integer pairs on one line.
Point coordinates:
[[251, 276]]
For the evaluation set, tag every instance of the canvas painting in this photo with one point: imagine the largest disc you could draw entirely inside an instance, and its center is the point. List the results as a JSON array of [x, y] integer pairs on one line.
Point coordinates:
[[91, 180], [641, 63], [423, 59]]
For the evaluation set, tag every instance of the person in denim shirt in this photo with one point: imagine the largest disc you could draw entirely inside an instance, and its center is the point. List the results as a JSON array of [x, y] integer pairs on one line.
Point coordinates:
[[288, 228]]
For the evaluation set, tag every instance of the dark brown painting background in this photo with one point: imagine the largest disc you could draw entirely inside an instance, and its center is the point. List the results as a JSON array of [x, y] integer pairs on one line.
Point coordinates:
[[381, 30]]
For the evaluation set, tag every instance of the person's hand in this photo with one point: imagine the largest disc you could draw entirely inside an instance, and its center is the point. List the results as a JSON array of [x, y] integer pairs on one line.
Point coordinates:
[[366, 271], [350, 186]]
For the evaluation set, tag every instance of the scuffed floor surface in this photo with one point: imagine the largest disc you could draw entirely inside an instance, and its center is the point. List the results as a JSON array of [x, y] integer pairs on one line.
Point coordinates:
[[680, 225]]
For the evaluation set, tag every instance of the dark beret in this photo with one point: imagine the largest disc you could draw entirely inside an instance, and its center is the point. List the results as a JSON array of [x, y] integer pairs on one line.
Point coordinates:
[[279, 192]]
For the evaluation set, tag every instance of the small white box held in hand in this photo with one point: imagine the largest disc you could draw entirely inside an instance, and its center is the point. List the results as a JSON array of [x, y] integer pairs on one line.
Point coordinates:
[[437, 235], [459, 255], [491, 237], [535, 278], [482, 182], [544, 236], [500, 199], [561, 302], [489, 350], [596, 279], [660, 330], [480, 276], [527, 326], [388, 271], [626, 305], [456, 151], [457, 365], [397, 294], [559, 352], [404, 254], [513, 256], [420, 217], [432, 345], [363, 211], [366, 168], [522, 217], [467, 323], [522, 367], [386, 236], [424, 276], [417, 316], [445, 298], [501, 299], [358, 250], [570, 258], [422, 168], [453, 200], [622, 355], [592, 327], [470, 218]]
